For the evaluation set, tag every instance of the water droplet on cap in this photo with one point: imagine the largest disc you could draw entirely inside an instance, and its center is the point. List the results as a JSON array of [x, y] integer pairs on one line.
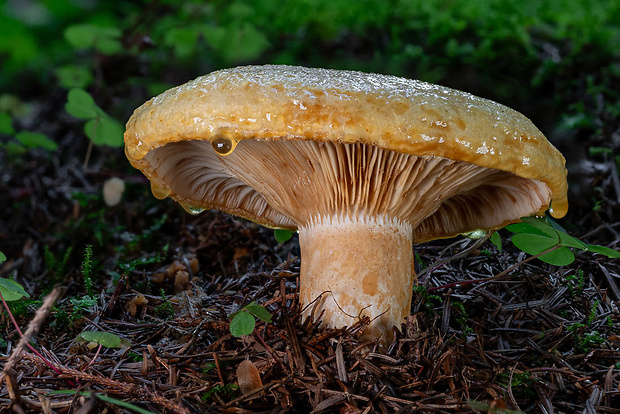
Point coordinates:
[[160, 191], [192, 210], [223, 145]]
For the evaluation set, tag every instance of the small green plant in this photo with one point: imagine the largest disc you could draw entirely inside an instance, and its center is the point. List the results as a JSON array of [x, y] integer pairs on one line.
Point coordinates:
[[420, 261], [544, 238], [11, 290], [105, 339], [496, 240], [93, 220], [594, 151], [85, 304], [521, 382], [430, 300], [100, 128], [83, 199], [114, 277], [23, 140], [62, 319], [243, 321], [87, 269], [165, 310], [575, 327], [23, 307], [54, 265], [133, 356], [208, 367], [86, 36], [101, 339], [583, 340], [282, 236], [134, 241], [592, 313], [225, 389], [563, 313], [462, 319], [589, 340], [575, 283], [134, 264], [73, 76], [6, 124]]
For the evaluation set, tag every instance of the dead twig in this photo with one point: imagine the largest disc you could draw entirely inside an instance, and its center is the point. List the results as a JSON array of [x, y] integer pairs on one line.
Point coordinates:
[[33, 328], [132, 391]]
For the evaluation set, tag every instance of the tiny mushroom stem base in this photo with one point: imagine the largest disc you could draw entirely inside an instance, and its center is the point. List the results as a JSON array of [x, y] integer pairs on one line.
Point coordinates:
[[376, 255], [363, 165]]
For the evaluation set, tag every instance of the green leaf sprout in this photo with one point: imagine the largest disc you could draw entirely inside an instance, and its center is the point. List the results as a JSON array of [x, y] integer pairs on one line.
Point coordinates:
[[106, 339], [536, 236], [282, 235], [103, 39], [10, 289], [101, 129], [243, 321]]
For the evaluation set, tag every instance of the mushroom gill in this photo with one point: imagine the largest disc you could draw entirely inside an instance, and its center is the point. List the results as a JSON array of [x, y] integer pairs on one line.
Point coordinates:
[[290, 183]]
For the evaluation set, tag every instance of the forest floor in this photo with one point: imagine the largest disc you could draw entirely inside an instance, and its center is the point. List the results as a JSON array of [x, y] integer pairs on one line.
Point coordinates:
[[539, 338]]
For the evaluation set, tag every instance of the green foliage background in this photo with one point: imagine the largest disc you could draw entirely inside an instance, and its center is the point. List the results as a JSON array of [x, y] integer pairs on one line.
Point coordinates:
[[557, 61], [122, 50]]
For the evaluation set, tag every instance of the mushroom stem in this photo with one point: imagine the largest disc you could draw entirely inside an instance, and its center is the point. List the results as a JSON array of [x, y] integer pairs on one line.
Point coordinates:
[[361, 266]]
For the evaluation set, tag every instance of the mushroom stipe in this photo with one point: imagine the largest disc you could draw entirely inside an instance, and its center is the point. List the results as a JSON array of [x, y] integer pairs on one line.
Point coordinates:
[[362, 165]]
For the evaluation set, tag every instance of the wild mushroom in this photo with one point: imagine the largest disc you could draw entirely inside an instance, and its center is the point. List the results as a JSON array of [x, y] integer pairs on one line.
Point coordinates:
[[362, 165], [113, 189]]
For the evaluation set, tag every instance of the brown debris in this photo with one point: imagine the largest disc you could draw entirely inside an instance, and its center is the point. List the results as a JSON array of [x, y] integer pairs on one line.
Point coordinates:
[[178, 273], [520, 347], [33, 328], [137, 302], [248, 378]]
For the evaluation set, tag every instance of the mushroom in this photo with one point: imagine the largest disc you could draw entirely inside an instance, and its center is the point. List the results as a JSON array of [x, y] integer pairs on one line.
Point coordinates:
[[362, 165], [113, 189]]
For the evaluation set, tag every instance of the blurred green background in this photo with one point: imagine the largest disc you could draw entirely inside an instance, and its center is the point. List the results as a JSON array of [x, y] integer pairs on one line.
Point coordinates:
[[557, 61]]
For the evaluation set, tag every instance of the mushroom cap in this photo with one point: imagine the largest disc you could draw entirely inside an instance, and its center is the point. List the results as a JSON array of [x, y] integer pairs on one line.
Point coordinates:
[[285, 103]]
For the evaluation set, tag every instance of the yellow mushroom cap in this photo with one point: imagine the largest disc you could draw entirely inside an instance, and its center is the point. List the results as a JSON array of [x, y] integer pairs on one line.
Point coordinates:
[[284, 106]]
